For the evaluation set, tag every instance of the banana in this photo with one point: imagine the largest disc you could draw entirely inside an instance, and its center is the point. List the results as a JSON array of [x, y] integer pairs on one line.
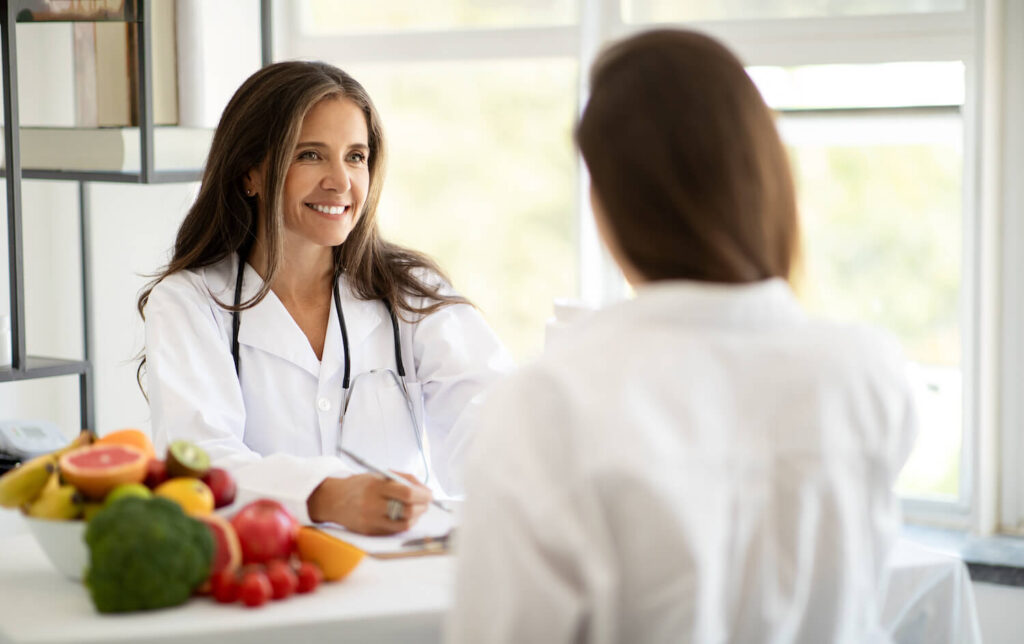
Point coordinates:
[[62, 502], [51, 484], [24, 483]]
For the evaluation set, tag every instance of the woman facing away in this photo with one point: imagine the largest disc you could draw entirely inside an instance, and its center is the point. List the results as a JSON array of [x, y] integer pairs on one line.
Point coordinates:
[[285, 330], [703, 463]]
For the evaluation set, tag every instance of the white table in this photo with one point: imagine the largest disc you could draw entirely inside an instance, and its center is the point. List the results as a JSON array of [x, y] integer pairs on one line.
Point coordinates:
[[404, 600], [381, 601], [930, 598]]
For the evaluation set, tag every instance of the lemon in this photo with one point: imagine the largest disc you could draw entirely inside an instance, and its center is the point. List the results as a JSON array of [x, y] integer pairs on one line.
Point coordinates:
[[191, 494]]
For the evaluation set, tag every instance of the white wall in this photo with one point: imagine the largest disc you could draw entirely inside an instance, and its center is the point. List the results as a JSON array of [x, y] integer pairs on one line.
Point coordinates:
[[133, 229], [1001, 613]]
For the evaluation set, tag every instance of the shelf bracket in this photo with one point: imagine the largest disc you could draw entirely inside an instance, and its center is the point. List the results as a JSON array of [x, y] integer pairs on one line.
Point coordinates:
[[12, 161]]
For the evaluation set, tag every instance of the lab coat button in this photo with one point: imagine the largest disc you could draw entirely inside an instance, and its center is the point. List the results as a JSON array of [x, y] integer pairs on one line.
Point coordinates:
[[324, 404]]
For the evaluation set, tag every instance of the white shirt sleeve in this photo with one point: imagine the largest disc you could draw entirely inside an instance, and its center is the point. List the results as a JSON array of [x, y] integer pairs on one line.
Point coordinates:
[[194, 395]]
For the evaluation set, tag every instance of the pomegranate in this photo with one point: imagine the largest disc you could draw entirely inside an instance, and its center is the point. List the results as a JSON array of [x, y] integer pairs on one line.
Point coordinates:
[[265, 531]]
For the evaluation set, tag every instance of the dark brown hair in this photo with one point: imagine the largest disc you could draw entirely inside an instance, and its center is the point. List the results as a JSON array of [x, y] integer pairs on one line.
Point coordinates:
[[261, 124], [685, 159]]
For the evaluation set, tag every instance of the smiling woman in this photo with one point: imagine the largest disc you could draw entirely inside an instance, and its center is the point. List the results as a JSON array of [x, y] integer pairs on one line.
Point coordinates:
[[283, 237]]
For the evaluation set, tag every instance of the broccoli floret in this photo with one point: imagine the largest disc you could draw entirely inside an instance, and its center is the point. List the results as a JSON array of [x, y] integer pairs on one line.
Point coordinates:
[[144, 554]]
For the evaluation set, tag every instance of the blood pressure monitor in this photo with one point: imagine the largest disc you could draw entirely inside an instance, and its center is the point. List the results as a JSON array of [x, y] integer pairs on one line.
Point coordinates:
[[27, 439]]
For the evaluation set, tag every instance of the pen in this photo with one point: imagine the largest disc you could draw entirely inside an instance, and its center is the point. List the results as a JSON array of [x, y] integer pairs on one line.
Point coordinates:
[[388, 475]]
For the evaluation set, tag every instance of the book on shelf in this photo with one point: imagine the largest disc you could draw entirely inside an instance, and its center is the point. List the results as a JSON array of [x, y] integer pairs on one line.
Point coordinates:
[[105, 79], [111, 149], [63, 10]]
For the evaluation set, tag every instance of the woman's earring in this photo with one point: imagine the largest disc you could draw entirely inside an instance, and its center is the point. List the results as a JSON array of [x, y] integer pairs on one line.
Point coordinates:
[[248, 192]]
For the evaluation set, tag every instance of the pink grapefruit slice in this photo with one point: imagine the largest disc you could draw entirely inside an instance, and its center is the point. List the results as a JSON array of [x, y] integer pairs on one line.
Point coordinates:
[[228, 554], [99, 469]]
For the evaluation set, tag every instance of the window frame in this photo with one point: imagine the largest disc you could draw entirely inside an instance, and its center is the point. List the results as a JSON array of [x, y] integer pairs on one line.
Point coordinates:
[[992, 224]]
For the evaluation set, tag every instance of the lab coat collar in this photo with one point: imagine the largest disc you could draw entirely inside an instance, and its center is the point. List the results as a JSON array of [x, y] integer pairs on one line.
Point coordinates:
[[361, 318], [269, 326], [741, 306]]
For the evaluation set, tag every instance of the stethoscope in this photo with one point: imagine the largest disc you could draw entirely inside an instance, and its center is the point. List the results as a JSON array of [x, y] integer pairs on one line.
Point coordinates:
[[236, 321]]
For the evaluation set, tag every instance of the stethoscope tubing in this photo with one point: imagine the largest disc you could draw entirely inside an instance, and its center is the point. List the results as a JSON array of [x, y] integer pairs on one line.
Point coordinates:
[[236, 323], [346, 380]]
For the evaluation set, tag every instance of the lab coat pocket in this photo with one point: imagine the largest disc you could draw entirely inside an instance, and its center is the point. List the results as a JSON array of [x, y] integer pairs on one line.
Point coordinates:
[[382, 424]]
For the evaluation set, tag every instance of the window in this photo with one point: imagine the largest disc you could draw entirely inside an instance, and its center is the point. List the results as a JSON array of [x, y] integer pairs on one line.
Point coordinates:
[[484, 148], [689, 10], [478, 100], [880, 106], [877, 153], [329, 17]]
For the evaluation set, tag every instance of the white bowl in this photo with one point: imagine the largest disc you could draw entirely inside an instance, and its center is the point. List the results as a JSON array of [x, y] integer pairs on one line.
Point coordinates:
[[64, 544]]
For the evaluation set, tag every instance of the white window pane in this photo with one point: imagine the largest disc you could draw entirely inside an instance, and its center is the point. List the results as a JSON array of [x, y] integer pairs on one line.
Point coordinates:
[[325, 17], [642, 11], [880, 205], [481, 176], [881, 202], [885, 85]]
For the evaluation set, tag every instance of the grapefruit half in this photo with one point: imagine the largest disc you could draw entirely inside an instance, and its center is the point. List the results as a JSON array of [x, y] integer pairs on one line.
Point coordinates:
[[98, 469], [228, 553]]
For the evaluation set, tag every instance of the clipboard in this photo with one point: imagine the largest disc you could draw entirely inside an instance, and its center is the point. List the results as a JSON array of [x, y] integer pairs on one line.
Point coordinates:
[[430, 536]]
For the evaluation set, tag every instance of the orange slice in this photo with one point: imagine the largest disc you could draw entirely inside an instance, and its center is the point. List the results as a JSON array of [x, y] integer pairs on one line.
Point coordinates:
[[335, 557]]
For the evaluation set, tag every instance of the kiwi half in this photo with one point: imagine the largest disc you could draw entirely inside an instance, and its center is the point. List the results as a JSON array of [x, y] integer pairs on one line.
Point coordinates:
[[187, 459]]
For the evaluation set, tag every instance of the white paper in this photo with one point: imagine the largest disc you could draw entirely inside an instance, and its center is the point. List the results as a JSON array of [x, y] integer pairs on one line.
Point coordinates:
[[433, 523]]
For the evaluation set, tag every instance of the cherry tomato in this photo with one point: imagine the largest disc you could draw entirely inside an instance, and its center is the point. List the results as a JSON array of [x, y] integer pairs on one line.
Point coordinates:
[[283, 579], [224, 586], [309, 576], [255, 588]]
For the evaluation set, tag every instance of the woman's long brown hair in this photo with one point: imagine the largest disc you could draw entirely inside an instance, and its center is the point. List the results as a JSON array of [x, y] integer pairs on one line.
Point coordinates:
[[685, 159], [261, 124]]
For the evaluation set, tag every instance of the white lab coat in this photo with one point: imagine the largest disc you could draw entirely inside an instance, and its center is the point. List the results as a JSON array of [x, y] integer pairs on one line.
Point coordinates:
[[701, 464], [277, 426]]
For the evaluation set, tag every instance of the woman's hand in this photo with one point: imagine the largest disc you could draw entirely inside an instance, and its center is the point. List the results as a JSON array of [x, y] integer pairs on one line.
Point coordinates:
[[360, 503]]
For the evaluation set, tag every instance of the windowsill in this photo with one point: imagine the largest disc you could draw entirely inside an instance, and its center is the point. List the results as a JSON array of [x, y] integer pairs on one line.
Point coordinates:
[[997, 559]]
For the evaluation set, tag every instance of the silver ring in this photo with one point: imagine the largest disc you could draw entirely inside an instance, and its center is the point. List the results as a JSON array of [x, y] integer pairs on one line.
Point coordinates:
[[396, 510]]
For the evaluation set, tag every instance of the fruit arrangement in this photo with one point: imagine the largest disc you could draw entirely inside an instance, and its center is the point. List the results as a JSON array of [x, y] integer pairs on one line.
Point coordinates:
[[278, 557], [80, 479], [152, 536]]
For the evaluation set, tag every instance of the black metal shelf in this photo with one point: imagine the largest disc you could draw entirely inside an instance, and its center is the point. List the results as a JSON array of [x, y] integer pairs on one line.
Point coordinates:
[[41, 367], [137, 13], [97, 176], [36, 367]]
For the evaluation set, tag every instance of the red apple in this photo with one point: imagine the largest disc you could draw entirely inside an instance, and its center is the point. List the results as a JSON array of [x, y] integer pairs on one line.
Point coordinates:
[[265, 530], [156, 473], [222, 485]]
